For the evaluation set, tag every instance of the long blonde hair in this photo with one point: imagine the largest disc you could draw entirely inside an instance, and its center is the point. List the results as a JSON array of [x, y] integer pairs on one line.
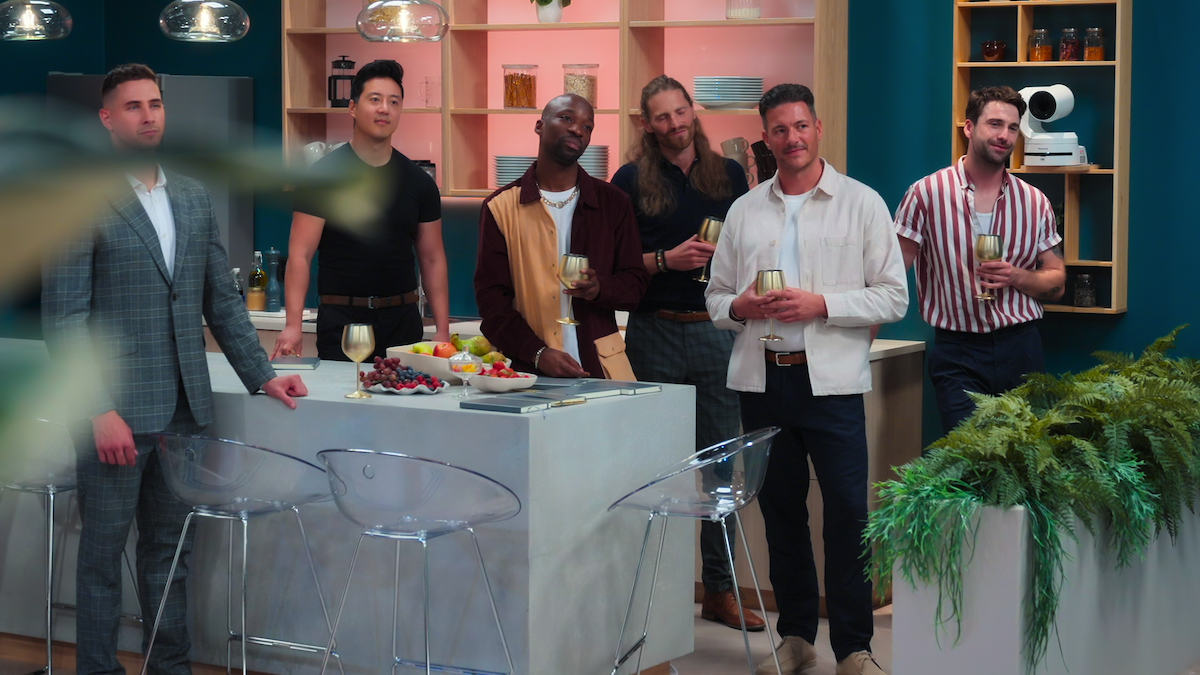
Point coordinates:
[[709, 175]]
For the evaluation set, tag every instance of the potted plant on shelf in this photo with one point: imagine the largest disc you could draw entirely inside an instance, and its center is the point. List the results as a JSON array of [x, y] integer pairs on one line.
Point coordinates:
[[550, 11]]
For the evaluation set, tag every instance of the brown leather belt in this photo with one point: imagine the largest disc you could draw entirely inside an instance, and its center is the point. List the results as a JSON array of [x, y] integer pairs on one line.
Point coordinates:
[[372, 302], [682, 317], [786, 358]]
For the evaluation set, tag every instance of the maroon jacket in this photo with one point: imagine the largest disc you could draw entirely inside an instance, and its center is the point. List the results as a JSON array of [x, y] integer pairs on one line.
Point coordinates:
[[605, 230]]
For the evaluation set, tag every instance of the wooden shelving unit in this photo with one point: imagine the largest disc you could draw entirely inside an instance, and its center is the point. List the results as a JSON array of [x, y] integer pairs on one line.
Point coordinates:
[[1101, 191], [641, 29]]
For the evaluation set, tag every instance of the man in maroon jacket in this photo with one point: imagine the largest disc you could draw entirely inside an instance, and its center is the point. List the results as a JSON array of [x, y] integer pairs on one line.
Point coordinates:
[[525, 227]]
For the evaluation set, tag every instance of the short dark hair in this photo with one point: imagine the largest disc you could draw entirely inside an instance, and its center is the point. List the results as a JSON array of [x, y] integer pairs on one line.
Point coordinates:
[[129, 72], [981, 97], [782, 94], [376, 69]]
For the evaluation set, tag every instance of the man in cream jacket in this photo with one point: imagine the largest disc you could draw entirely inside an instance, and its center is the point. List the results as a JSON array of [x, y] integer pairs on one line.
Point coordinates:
[[833, 239]]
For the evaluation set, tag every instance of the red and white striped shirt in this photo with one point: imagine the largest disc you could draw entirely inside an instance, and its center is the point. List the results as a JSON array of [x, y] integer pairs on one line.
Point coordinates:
[[937, 213]]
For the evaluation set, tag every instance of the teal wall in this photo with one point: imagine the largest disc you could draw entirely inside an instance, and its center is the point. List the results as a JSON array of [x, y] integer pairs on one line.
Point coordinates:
[[899, 115]]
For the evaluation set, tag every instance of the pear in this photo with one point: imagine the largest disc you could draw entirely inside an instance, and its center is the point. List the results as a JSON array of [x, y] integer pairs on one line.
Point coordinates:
[[423, 348], [456, 341], [479, 345], [493, 357]]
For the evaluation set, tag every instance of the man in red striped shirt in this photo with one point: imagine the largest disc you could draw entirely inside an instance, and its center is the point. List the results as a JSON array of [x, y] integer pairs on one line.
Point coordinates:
[[984, 346]]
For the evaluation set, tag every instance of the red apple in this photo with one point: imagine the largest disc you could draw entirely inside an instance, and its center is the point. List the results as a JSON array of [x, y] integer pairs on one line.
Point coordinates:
[[444, 350]]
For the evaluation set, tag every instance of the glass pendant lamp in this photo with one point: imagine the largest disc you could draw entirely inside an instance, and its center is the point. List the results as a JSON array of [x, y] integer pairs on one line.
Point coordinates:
[[204, 21], [403, 21], [34, 20]]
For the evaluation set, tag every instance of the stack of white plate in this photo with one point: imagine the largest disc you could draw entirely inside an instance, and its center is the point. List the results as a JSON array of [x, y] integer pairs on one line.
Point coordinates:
[[720, 91], [510, 168], [595, 161]]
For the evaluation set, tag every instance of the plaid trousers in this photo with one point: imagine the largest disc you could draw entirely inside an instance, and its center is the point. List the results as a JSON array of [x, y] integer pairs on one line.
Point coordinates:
[[110, 497], [661, 350]]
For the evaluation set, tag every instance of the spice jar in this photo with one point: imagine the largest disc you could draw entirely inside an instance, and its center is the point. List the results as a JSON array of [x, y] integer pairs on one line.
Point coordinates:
[[580, 79], [1040, 48], [1093, 45], [520, 86], [1068, 46], [742, 9], [1085, 292]]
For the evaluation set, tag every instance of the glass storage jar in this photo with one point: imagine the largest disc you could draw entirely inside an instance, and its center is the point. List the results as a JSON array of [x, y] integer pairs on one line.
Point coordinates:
[[1093, 45], [581, 79], [742, 9], [1040, 48], [1085, 291], [1068, 46], [520, 86]]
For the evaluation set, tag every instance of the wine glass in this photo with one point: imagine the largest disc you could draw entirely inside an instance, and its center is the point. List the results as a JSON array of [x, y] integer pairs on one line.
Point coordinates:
[[988, 247], [710, 233], [358, 342], [770, 280], [570, 270], [465, 365]]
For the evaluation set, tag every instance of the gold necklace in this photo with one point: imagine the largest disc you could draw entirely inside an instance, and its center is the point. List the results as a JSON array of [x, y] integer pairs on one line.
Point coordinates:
[[563, 203]]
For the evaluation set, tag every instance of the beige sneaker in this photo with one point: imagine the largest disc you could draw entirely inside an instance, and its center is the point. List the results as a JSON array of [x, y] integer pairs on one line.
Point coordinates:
[[795, 654], [859, 663]]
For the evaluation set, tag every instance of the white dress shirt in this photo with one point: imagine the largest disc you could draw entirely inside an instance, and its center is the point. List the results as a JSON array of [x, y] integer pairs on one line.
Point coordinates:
[[848, 253], [562, 223], [158, 206]]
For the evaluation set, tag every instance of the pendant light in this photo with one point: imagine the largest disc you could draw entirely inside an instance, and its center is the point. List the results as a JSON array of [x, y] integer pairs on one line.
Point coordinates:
[[34, 20], [403, 21], [204, 21]]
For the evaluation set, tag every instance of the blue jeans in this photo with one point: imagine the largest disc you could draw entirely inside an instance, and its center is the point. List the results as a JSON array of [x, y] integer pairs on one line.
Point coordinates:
[[832, 432], [985, 363]]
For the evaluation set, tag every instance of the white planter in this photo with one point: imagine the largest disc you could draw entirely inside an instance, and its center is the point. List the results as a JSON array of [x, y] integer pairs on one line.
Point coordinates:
[[551, 13], [1140, 620]]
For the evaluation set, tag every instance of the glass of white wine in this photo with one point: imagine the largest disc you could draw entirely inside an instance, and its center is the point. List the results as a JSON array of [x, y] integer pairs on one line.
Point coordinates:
[[770, 280], [358, 343], [570, 270], [710, 233], [988, 247]]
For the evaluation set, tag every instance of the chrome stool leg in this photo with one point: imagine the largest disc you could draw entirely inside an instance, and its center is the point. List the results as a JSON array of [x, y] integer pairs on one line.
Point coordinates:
[[341, 605], [662, 538], [492, 600], [162, 605], [757, 589], [620, 658], [312, 566]]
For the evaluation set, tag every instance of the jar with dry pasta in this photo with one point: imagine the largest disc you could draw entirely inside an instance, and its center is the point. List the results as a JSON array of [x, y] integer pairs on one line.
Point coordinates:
[[520, 86], [581, 79]]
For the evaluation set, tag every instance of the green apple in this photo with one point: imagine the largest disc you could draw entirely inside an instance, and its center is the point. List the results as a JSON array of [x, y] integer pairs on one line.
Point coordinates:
[[423, 348]]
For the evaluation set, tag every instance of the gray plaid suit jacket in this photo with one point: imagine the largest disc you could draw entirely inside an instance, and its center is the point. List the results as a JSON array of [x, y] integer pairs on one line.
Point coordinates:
[[107, 297]]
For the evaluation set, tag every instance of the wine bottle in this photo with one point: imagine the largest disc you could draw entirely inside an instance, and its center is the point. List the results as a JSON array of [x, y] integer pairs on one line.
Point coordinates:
[[256, 295]]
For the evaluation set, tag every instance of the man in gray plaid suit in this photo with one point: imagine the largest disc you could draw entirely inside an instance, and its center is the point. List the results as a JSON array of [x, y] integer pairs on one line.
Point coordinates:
[[130, 294]]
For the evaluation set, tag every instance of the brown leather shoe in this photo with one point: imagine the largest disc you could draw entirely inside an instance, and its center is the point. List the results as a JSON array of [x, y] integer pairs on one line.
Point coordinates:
[[722, 608]]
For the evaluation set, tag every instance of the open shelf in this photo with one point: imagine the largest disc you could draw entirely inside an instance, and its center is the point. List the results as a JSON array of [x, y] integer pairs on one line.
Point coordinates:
[[323, 30], [1090, 263], [1063, 170], [517, 111], [1033, 64], [725, 23], [495, 27], [337, 111], [1032, 3], [1070, 309]]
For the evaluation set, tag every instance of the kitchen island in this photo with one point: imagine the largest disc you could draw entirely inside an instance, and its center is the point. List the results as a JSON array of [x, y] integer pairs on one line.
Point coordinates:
[[561, 569]]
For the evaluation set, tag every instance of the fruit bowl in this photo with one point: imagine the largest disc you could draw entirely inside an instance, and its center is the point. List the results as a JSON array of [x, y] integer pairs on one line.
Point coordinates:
[[434, 365], [496, 385]]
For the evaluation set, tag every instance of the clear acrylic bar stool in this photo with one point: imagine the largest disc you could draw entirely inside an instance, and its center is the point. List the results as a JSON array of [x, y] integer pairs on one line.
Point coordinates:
[[39, 458], [395, 496], [713, 484], [232, 481]]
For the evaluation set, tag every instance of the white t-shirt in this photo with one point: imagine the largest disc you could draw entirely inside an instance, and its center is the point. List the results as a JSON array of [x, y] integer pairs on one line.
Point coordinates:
[[789, 262], [983, 222], [562, 223]]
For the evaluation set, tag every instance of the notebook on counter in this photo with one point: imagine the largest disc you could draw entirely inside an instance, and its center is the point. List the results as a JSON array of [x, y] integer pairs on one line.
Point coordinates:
[[514, 403], [295, 363], [602, 388]]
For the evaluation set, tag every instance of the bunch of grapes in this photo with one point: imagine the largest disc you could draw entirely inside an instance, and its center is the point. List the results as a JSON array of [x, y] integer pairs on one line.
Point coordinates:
[[389, 374]]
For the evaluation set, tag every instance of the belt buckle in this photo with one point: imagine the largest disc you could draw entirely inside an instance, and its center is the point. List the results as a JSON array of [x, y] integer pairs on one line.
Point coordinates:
[[371, 302], [782, 365]]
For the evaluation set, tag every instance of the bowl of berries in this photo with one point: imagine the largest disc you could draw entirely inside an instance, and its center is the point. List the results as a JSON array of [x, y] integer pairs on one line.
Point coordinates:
[[500, 378], [390, 376]]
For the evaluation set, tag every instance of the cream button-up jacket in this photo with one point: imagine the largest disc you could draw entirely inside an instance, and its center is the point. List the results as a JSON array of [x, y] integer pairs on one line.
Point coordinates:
[[848, 253]]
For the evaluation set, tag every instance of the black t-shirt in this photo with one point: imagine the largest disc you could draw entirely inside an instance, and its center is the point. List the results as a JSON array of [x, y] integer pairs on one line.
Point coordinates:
[[379, 259], [676, 290]]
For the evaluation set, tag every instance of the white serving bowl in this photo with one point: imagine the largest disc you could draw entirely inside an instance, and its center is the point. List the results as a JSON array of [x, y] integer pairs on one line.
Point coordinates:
[[496, 385], [426, 363]]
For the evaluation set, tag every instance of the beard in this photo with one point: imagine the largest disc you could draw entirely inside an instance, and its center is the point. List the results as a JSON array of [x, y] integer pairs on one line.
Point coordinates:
[[680, 142], [985, 154]]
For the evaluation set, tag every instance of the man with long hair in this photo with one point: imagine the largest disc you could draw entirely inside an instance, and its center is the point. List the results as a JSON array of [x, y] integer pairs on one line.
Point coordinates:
[[676, 180]]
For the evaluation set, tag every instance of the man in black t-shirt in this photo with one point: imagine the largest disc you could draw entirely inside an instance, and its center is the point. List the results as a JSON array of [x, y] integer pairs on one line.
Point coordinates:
[[369, 274], [676, 181]]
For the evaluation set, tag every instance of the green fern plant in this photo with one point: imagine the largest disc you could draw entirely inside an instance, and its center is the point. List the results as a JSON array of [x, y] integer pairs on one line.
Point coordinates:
[[1116, 447]]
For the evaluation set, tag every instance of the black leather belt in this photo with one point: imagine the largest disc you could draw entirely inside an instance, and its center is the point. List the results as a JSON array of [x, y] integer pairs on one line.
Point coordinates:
[[371, 302], [682, 317]]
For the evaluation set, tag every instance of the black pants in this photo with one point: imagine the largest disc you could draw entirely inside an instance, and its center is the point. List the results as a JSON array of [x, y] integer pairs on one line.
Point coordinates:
[[832, 431], [393, 326], [985, 363]]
